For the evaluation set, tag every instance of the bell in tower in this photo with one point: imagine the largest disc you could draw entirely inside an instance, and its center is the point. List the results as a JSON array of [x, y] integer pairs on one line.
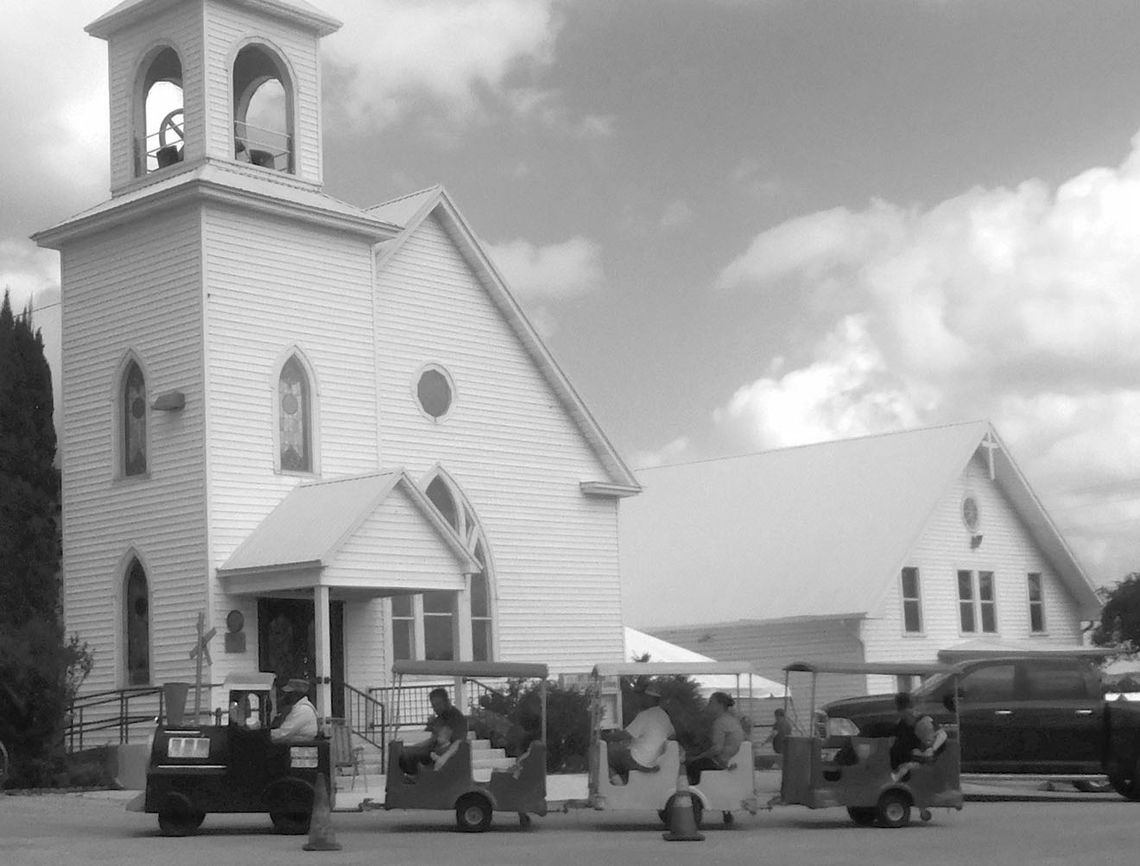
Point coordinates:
[[195, 82]]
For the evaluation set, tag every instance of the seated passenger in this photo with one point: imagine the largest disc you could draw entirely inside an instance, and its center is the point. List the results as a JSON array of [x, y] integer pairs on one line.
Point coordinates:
[[298, 718], [443, 748], [640, 745], [917, 739], [725, 734], [447, 719]]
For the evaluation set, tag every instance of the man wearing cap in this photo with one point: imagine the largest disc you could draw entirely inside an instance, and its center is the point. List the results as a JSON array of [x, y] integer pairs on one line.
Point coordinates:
[[640, 745], [298, 719]]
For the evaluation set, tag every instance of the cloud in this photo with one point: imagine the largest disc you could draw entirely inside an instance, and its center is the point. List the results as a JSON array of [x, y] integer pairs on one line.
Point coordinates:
[[1014, 304], [28, 272], [847, 391], [451, 54], [676, 451], [552, 272], [677, 214], [55, 156]]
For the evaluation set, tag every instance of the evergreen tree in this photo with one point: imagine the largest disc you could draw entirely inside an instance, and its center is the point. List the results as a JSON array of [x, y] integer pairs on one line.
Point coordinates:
[[38, 665]]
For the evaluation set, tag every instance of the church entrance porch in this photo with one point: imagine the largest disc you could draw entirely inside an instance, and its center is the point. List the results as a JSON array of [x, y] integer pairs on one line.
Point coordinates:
[[287, 644]]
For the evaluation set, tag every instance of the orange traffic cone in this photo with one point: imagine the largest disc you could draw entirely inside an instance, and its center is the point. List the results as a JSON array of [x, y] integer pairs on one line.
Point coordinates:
[[682, 820], [321, 835]]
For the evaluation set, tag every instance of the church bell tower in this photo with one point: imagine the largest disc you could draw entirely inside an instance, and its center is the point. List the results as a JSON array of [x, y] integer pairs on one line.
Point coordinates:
[[236, 81]]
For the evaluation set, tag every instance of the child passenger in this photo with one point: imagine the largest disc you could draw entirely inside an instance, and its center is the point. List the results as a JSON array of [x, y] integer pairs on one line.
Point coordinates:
[[917, 739]]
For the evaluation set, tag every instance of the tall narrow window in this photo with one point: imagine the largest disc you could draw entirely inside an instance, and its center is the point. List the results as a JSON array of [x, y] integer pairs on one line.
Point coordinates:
[[1036, 604], [294, 418], [480, 612], [403, 627], [133, 423], [439, 625], [912, 602], [987, 603], [966, 601], [136, 626]]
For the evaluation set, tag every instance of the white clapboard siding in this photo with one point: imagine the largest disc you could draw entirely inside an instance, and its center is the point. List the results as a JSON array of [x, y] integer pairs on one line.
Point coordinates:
[[182, 26], [1007, 550], [271, 286], [133, 290], [512, 448], [228, 28], [395, 547]]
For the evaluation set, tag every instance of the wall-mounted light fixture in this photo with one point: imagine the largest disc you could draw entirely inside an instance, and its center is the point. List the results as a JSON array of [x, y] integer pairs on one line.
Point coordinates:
[[169, 401], [975, 541]]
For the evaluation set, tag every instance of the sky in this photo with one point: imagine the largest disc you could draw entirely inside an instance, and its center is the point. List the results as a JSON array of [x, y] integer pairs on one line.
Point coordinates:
[[738, 224]]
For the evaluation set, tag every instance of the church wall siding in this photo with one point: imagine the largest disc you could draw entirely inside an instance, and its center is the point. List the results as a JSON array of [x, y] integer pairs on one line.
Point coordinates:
[[1007, 549], [133, 289], [510, 445], [272, 285]]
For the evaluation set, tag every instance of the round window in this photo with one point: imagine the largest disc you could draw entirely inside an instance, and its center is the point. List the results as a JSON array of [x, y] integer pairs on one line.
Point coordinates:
[[434, 392], [970, 515]]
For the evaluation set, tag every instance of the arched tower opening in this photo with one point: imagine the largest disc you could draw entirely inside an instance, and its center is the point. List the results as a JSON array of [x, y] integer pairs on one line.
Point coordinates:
[[162, 118], [263, 109]]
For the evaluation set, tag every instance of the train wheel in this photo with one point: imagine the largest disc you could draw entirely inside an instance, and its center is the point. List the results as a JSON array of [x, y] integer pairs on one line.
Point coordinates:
[[893, 809], [177, 817], [290, 823], [864, 816], [473, 813]]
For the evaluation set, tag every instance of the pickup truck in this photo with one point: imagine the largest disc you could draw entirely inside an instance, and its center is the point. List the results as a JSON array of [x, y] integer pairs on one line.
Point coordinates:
[[1031, 716]]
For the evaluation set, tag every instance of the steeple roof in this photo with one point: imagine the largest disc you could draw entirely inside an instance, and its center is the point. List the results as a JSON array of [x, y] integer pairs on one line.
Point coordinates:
[[130, 11]]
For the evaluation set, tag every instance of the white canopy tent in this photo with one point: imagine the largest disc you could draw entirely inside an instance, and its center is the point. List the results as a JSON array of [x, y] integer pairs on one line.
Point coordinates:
[[638, 644]]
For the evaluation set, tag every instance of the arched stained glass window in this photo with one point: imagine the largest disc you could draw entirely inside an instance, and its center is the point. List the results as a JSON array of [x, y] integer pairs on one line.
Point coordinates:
[[295, 417], [136, 626], [133, 409]]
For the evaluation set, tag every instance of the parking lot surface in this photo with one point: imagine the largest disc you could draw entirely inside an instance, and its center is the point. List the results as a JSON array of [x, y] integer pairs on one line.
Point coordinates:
[[63, 829]]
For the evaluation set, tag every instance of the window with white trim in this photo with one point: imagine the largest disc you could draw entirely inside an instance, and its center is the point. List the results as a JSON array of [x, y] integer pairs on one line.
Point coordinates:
[[427, 626], [911, 601], [1036, 603], [977, 602]]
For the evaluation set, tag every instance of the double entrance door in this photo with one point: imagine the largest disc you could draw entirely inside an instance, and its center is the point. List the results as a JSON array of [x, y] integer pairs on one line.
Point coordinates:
[[287, 640]]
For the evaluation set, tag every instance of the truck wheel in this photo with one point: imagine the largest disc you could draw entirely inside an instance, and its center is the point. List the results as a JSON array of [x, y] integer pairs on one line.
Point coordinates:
[[893, 809], [290, 823], [1127, 785], [864, 816], [473, 813], [177, 817]]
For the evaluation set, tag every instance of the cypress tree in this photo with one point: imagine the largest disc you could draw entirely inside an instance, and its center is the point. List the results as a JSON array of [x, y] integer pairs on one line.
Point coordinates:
[[37, 663]]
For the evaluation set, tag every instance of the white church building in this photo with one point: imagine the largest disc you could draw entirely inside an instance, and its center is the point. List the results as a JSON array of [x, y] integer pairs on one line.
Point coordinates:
[[331, 429]]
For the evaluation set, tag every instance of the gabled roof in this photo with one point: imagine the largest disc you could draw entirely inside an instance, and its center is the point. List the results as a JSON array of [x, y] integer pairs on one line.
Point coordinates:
[[409, 212], [314, 521], [813, 531], [269, 192], [298, 11]]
